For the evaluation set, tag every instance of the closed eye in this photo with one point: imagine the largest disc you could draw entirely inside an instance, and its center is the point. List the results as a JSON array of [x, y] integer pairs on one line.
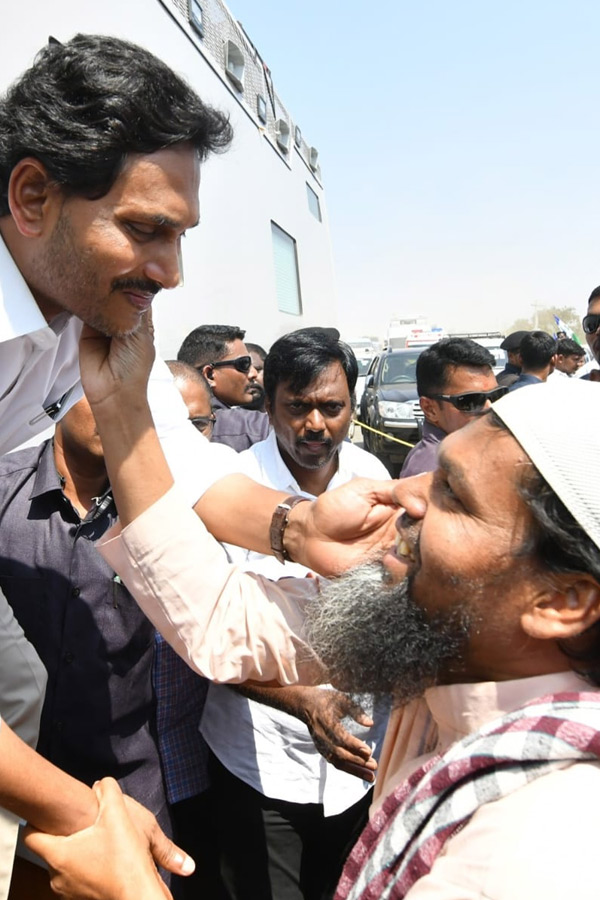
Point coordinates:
[[443, 489], [141, 231]]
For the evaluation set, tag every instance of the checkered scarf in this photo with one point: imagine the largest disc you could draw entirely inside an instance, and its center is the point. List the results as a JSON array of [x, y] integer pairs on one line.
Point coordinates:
[[402, 842]]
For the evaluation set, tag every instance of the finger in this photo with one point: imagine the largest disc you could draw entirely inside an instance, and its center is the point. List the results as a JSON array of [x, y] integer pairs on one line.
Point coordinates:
[[355, 769], [335, 735], [44, 845], [169, 855], [164, 852]]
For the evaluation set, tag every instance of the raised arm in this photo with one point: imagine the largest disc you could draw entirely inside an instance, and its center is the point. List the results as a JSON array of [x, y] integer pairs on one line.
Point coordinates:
[[328, 535]]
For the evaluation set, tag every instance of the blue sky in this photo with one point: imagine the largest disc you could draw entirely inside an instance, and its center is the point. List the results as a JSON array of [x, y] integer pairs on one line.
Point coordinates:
[[458, 142]]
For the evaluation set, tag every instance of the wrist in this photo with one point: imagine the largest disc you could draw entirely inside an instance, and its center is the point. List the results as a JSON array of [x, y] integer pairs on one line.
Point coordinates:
[[284, 546]]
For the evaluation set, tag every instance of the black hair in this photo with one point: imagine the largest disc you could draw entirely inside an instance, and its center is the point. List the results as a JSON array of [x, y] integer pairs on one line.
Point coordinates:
[[594, 295], [85, 105], [436, 363], [562, 546], [208, 343], [256, 348], [537, 349], [299, 357], [569, 347]]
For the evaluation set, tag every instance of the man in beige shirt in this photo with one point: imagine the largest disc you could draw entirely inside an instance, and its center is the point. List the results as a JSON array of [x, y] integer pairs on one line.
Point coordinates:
[[489, 601]]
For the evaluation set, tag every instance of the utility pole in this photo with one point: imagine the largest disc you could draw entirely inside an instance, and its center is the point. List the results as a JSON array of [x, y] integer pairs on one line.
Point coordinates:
[[536, 322]]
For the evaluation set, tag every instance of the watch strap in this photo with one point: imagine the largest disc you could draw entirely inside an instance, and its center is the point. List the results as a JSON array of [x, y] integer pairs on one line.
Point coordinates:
[[279, 523]]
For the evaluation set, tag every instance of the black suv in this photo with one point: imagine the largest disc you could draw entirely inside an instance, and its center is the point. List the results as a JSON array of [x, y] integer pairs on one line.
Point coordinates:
[[390, 404]]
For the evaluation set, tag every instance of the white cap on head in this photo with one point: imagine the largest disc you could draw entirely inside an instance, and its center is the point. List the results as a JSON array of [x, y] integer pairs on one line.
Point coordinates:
[[558, 426]]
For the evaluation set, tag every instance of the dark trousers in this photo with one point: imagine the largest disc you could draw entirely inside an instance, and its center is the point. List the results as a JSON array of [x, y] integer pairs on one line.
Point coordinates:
[[276, 850], [195, 832]]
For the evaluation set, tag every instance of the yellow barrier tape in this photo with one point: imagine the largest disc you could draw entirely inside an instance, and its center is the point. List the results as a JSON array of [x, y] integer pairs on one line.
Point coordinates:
[[383, 434]]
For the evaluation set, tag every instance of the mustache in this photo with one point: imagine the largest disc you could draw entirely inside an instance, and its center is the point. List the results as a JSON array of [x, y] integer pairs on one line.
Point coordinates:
[[146, 286], [311, 438]]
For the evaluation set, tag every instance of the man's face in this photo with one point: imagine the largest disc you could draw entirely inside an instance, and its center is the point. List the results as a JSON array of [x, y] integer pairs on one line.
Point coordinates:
[[461, 380], [104, 260], [568, 364], [197, 400], [229, 385], [594, 339], [460, 580], [311, 424], [259, 365]]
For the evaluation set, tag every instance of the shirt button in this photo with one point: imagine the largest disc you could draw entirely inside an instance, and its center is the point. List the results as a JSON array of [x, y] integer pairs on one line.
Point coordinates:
[[68, 657], [75, 592]]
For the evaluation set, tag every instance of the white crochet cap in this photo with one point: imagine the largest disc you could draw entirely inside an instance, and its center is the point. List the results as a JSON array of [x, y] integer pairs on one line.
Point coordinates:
[[558, 426]]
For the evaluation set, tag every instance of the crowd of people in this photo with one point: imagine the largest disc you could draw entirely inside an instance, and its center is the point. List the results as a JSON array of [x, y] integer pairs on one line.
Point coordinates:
[[226, 635]]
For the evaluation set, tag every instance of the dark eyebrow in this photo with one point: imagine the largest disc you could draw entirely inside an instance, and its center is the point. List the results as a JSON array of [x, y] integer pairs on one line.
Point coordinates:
[[162, 221]]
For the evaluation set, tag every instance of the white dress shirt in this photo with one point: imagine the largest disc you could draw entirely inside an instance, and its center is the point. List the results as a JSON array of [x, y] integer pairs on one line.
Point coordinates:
[[268, 749]]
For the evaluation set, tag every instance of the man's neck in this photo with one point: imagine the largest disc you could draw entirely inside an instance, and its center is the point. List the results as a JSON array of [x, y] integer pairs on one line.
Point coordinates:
[[15, 245], [83, 478], [312, 481], [542, 374]]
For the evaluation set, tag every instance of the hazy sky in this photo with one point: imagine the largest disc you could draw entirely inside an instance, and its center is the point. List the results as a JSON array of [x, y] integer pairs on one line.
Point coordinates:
[[459, 144]]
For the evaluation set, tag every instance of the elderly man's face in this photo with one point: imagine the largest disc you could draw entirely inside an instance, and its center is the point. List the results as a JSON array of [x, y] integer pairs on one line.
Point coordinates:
[[467, 546], [461, 580]]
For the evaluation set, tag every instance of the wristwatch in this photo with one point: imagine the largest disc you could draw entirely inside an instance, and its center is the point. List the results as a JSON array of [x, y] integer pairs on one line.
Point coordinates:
[[279, 523]]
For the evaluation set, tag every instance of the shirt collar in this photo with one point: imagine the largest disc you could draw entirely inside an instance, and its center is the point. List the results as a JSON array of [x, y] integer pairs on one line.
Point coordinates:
[[46, 477], [283, 476], [19, 313], [432, 432], [461, 709]]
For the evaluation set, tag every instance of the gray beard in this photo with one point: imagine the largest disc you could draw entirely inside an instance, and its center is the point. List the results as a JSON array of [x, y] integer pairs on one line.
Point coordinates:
[[373, 637]]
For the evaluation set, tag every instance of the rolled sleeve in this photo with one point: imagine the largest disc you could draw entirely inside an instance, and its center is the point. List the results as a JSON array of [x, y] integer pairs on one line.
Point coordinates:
[[229, 626]]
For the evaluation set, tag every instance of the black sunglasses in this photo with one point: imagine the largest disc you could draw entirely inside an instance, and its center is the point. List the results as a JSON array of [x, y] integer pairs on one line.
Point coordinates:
[[241, 363], [472, 401], [201, 422], [591, 323]]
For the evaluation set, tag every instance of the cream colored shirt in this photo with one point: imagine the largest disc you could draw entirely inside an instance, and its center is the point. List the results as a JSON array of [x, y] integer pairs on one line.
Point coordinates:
[[228, 625], [538, 843]]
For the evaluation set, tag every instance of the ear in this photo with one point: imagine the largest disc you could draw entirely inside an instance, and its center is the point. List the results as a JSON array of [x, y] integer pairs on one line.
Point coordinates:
[[431, 409], [208, 373], [566, 609], [32, 194]]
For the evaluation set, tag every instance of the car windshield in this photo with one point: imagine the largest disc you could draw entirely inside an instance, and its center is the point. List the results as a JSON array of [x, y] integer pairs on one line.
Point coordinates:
[[400, 369], [363, 366]]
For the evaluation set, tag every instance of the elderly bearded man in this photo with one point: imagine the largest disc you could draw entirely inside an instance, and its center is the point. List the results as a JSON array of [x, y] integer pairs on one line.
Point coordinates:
[[497, 604]]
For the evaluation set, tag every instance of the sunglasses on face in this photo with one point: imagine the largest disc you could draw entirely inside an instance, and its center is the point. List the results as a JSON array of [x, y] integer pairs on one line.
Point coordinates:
[[241, 363], [472, 401], [591, 323], [201, 422]]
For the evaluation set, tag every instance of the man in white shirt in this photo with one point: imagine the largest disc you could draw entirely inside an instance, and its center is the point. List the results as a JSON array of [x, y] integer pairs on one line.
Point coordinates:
[[100, 151], [265, 766]]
